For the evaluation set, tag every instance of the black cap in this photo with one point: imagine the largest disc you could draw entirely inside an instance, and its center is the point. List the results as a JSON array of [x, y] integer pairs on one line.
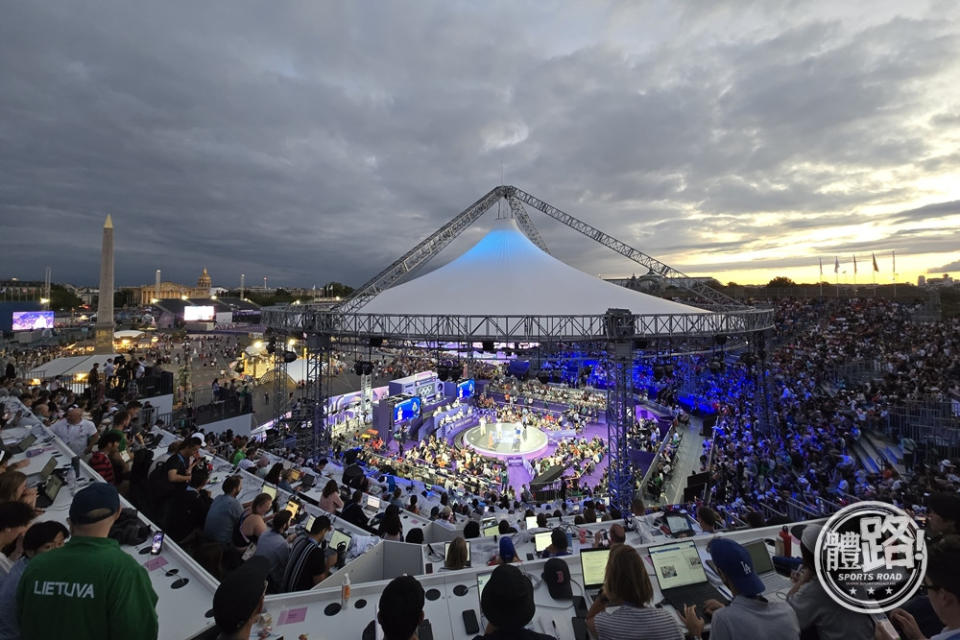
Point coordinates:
[[239, 594], [507, 598], [556, 574]]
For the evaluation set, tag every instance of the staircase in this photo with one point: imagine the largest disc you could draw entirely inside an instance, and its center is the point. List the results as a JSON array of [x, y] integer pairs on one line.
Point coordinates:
[[873, 450]]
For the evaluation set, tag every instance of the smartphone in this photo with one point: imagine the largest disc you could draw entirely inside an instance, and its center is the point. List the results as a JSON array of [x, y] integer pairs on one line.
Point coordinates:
[[157, 545], [884, 623], [429, 568], [579, 607], [470, 622]]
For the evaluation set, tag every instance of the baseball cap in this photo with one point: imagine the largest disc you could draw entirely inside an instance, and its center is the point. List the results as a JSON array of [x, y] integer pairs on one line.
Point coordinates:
[[734, 561], [507, 551], [238, 595], [809, 536], [94, 503], [507, 598], [199, 436], [556, 574]]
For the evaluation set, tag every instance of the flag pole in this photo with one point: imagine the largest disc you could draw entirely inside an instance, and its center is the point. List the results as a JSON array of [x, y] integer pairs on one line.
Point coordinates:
[[821, 279], [894, 254]]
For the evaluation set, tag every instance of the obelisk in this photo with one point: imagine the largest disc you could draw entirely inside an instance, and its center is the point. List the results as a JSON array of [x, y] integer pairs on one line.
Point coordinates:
[[103, 342]]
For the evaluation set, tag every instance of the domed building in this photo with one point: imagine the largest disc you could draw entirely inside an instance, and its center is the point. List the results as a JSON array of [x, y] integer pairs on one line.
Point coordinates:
[[175, 291]]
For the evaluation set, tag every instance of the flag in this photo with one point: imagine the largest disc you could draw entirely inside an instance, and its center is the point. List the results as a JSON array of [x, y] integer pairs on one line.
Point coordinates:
[[836, 264], [875, 267], [854, 264], [821, 266]]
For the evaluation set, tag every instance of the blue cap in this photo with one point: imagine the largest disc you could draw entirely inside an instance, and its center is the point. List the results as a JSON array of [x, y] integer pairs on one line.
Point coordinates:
[[507, 551], [734, 561], [94, 503]]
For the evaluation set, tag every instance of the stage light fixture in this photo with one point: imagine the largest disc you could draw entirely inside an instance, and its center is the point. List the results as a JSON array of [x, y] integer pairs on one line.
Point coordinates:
[[487, 345], [376, 342], [358, 368], [640, 343], [367, 368], [289, 356], [543, 377], [720, 339], [443, 373], [657, 372], [272, 345], [668, 369], [716, 366]]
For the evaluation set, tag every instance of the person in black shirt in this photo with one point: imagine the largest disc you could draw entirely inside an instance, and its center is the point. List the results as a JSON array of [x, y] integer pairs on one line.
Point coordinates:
[[310, 559], [507, 603], [353, 512], [401, 608], [188, 509]]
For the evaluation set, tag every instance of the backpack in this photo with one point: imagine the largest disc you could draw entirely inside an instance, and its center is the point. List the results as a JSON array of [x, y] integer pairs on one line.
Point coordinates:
[[128, 529]]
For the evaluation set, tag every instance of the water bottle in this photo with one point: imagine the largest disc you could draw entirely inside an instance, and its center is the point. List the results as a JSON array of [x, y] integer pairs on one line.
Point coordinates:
[[345, 590]]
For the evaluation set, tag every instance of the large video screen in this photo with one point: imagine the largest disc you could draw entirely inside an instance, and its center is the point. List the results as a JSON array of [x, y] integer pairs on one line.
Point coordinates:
[[406, 410], [197, 314], [29, 320], [465, 389]]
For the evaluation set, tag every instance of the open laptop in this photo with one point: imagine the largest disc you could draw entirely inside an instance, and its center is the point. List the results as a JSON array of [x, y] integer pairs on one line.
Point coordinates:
[[306, 481], [337, 537], [23, 445], [372, 506], [269, 490], [763, 567], [532, 522], [678, 524], [492, 530], [37, 479], [681, 576], [593, 564], [47, 496], [542, 540]]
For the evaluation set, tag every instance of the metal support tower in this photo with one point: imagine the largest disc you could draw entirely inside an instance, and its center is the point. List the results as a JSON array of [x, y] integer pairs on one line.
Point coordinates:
[[764, 389], [526, 224], [621, 414], [318, 380], [278, 398]]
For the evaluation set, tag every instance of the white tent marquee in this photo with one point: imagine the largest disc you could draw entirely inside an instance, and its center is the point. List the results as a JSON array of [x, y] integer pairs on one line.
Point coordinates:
[[506, 274]]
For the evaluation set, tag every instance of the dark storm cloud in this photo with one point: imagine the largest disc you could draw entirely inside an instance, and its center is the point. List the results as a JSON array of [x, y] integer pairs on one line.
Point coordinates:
[[953, 266], [319, 141]]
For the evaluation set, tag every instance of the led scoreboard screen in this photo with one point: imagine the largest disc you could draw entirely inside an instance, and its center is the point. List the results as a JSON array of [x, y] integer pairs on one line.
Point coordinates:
[[406, 410], [465, 389]]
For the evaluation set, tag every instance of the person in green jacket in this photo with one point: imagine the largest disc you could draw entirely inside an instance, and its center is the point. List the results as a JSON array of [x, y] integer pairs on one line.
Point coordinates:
[[89, 589]]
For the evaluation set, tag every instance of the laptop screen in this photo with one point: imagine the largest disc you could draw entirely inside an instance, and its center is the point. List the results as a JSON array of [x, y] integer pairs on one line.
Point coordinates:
[[677, 565], [482, 579], [308, 524], [678, 523], [446, 549], [542, 540], [337, 537], [49, 467], [270, 491], [759, 556], [52, 487], [593, 563], [373, 502], [492, 530], [531, 522]]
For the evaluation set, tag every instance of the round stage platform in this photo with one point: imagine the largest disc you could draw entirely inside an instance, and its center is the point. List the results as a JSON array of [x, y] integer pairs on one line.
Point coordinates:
[[502, 440]]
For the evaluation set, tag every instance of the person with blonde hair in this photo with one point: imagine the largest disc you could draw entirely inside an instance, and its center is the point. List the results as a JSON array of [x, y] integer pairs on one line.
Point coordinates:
[[620, 612], [456, 555]]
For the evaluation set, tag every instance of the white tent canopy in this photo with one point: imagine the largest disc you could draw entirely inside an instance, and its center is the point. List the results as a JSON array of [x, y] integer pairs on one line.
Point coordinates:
[[69, 366], [506, 274], [127, 333]]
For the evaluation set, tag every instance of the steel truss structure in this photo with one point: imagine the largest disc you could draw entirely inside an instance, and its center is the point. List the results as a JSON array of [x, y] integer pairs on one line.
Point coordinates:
[[346, 322], [621, 415], [524, 328]]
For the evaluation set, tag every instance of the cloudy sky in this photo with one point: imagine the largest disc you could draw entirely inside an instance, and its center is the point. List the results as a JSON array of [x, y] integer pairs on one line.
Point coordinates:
[[316, 141]]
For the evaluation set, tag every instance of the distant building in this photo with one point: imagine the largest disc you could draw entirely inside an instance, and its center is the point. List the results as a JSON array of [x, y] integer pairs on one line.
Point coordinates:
[[943, 281], [921, 281], [174, 291]]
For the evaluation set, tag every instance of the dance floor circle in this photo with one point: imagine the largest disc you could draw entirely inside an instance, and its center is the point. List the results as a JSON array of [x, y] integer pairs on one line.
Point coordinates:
[[485, 441]]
